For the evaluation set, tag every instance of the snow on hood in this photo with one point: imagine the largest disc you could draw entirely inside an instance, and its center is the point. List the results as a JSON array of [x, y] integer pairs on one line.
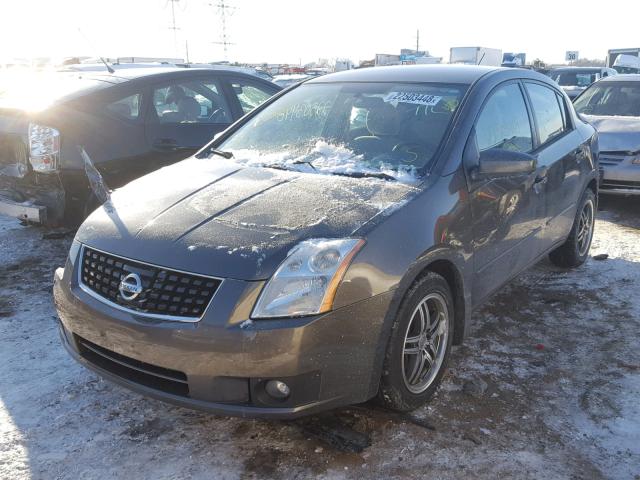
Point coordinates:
[[616, 134], [215, 217], [327, 159]]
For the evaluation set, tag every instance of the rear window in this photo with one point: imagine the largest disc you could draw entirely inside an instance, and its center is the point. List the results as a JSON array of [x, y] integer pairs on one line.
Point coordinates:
[[36, 91], [576, 79]]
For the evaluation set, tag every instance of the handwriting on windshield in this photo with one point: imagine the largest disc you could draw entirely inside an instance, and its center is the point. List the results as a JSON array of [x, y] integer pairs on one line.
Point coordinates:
[[305, 110]]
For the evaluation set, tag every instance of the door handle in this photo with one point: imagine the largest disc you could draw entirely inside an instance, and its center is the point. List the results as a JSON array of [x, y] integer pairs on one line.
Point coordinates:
[[540, 179], [165, 144], [541, 175], [169, 145]]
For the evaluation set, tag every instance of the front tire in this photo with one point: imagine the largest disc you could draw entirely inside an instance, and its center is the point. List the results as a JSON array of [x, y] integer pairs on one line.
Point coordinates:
[[419, 345], [575, 250]]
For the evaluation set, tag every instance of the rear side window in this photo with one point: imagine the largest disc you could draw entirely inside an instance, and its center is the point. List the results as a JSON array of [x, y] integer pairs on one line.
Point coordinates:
[[250, 95], [546, 110], [504, 121], [191, 102], [127, 108]]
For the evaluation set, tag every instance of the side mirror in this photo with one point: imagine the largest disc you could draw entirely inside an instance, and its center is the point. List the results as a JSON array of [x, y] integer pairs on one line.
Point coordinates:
[[497, 162]]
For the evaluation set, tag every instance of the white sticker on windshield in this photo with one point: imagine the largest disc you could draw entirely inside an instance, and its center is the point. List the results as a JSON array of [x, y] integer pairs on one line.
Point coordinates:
[[415, 98]]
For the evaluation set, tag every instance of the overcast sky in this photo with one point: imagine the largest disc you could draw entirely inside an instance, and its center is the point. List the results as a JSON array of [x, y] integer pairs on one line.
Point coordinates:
[[292, 31]]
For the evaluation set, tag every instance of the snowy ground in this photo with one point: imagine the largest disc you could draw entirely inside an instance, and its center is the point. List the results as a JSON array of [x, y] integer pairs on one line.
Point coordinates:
[[547, 386]]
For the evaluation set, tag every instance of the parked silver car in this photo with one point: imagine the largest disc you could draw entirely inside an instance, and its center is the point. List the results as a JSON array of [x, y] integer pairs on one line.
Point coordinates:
[[612, 106]]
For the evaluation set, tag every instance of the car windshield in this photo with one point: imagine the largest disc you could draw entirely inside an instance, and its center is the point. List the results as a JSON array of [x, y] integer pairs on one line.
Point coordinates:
[[575, 79], [609, 99], [390, 130]]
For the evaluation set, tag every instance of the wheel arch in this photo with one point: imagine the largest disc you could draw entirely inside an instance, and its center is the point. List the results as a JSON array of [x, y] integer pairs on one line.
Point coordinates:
[[447, 263]]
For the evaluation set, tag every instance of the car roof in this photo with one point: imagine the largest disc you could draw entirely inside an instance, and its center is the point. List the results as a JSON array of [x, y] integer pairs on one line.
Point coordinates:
[[123, 75], [623, 77], [463, 74]]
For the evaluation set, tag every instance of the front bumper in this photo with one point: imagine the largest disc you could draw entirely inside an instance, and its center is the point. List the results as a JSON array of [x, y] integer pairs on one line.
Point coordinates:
[[221, 364], [619, 175]]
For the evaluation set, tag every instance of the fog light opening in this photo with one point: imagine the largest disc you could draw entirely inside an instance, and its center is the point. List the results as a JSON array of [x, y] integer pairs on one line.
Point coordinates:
[[277, 389]]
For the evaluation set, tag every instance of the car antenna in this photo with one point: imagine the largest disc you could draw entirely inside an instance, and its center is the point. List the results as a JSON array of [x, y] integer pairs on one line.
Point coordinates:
[[109, 67], [481, 58]]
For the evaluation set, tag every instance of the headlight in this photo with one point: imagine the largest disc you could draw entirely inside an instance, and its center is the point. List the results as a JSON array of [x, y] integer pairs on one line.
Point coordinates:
[[306, 282], [73, 251]]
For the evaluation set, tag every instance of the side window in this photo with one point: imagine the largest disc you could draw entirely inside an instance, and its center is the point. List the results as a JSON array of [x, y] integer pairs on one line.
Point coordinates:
[[504, 122], [127, 108], [250, 95], [196, 101], [546, 110]]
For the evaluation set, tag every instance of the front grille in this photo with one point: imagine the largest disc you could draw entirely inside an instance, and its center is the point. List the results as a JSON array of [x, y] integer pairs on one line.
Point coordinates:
[[611, 160], [152, 376], [626, 184], [165, 292]]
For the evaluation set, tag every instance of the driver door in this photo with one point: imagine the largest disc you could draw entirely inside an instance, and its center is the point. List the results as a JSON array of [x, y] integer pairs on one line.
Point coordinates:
[[183, 116], [508, 211]]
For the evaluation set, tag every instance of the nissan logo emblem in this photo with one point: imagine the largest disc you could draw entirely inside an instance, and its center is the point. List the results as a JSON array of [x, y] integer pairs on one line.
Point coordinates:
[[130, 286]]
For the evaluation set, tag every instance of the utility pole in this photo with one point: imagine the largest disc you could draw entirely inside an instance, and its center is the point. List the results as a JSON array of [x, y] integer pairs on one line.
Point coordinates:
[[173, 25], [417, 41], [224, 10]]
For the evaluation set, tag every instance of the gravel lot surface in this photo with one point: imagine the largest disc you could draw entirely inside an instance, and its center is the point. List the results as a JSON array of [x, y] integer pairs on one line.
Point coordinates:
[[548, 385]]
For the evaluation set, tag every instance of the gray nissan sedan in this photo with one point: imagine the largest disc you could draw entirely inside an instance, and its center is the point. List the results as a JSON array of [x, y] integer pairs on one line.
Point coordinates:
[[330, 246]]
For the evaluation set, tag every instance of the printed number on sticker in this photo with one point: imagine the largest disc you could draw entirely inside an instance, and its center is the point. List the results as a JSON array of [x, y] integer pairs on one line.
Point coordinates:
[[416, 98]]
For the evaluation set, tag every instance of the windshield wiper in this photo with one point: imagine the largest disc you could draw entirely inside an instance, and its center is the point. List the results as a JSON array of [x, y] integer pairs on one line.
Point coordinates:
[[275, 166], [304, 162], [381, 175], [221, 153]]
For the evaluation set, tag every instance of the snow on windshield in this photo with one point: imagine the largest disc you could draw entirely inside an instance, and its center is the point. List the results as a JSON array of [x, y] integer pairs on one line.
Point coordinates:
[[324, 158]]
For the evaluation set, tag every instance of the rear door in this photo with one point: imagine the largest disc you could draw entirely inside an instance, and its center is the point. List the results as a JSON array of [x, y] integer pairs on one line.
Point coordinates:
[[184, 114], [507, 211], [560, 152], [114, 137]]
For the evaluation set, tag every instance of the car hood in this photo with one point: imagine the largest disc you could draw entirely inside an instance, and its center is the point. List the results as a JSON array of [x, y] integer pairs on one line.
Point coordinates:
[[616, 133], [215, 217]]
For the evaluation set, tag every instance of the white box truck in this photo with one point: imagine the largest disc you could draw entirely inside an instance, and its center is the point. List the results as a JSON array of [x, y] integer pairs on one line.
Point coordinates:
[[624, 60], [476, 56]]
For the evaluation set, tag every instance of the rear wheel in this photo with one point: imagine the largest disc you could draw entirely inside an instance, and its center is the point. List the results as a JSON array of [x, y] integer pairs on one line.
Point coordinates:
[[575, 250], [419, 346]]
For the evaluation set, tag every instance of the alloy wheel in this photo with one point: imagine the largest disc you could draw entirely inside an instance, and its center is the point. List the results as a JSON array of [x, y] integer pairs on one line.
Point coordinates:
[[425, 343], [585, 228]]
